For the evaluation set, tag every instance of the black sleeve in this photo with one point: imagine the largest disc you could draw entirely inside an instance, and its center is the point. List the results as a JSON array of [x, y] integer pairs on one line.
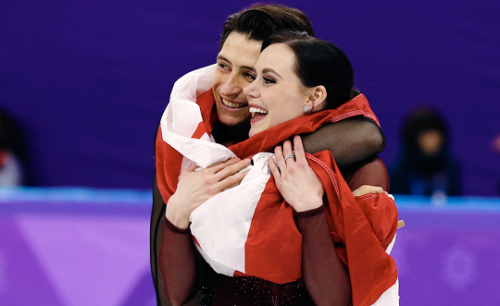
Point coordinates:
[[156, 235], [325, 275], [350, 140]]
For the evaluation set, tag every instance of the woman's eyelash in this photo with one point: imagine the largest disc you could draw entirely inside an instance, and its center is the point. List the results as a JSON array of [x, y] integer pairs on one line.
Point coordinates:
[[268, 80]]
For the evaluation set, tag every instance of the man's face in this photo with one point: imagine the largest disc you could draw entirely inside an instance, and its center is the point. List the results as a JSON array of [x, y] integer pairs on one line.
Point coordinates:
[[235, 70]]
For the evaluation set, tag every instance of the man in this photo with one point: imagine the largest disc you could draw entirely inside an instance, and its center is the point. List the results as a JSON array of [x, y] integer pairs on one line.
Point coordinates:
[[350, 141]]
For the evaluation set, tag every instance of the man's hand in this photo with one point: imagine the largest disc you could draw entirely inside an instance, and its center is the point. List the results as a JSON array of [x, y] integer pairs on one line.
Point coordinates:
[[196, 187]]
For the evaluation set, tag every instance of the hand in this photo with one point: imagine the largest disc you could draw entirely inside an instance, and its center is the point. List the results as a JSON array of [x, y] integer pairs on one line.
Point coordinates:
[[368, 189], [196, 187], [295, 180]]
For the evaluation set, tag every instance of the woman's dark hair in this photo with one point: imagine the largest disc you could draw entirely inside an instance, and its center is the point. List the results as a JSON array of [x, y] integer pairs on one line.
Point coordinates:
[[319, 62], [260, 21]]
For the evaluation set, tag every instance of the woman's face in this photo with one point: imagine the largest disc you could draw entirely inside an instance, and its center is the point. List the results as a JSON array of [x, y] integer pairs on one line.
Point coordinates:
[[276, 95]]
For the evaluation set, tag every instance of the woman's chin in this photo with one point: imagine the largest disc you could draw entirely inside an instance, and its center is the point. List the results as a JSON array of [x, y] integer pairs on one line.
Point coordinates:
[[253, 132]]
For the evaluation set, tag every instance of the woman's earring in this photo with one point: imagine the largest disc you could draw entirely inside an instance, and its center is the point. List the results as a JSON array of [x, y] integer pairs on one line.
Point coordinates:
[[306, 109]]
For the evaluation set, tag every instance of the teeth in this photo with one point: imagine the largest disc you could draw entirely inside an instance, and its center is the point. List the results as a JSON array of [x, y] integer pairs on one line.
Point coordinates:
[[232, 104], [257, 110]]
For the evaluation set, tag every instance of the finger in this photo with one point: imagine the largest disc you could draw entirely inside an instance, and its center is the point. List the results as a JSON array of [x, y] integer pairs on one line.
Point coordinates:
[[231, 181], [280, 159], [231, 169], [274, 169], [191, 168], [287, 150], [221, 165], [374, 189], [298, 147], [367, 189]]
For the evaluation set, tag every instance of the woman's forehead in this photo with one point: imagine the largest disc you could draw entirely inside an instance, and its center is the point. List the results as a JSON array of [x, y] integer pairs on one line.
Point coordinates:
[[278, 57]]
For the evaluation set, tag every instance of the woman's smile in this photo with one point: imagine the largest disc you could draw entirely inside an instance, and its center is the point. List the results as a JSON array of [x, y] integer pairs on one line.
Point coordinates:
[[258, 113]]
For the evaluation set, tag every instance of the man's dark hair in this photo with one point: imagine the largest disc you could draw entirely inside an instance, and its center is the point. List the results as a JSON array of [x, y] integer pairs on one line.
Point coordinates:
[[260, 21]]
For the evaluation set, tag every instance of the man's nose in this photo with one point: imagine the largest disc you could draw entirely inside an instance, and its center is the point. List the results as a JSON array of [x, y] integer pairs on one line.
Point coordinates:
[[232, 85]]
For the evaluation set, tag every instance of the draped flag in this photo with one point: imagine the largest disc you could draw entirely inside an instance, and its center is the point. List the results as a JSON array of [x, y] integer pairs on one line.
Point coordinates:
[[249, 229]]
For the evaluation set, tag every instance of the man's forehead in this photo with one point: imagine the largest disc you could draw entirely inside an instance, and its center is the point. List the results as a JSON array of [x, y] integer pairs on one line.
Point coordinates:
[[241, 38], [239, 50]]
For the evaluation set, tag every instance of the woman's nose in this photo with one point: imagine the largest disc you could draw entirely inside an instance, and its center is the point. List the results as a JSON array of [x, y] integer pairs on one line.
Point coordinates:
[[251, 90]]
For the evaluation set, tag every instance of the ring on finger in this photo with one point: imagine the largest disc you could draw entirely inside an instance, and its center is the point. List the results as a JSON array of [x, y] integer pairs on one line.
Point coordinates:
[[289, 156]]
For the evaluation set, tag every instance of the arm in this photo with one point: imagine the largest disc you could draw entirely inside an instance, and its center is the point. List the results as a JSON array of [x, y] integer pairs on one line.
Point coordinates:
[[371, 172], [325, 276], [350, 140], [177, 262], [177, 254], [321, 265], [156, 236]]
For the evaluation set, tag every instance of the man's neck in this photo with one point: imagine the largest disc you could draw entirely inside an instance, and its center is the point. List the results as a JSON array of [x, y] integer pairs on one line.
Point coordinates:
[[229, 135]]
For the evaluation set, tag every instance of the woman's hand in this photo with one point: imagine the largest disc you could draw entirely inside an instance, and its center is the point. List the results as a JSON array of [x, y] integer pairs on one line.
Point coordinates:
[[295, 180], [365, 189], [196, 187]]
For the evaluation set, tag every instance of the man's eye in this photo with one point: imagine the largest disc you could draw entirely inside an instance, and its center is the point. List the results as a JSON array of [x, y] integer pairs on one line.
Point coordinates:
[[249, 76], [223, 66], [268, 80]]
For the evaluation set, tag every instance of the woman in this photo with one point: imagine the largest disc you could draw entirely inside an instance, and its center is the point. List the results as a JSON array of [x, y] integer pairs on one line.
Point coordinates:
[[297, 259]]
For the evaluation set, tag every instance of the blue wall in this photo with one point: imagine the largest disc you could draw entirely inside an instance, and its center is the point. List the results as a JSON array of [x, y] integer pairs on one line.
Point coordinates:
[[89, 79]]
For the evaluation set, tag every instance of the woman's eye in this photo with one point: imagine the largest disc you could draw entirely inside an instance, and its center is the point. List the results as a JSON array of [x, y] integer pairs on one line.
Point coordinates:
[[268, 80]]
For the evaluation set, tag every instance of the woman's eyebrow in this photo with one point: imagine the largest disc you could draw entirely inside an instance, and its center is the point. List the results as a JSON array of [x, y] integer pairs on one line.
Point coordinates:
[[267, 70]]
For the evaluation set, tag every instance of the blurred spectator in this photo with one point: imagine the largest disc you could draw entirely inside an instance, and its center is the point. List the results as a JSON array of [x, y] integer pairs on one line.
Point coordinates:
[[496, 143], [11, 152], [496, 148], [425, 165]]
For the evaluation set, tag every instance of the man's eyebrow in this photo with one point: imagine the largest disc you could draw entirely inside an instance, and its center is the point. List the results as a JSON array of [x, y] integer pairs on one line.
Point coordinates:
[[248, 67], [267, 70], [223, 58]]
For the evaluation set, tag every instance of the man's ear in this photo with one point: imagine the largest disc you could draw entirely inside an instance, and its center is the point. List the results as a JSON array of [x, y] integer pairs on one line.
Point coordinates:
[[317, 97]]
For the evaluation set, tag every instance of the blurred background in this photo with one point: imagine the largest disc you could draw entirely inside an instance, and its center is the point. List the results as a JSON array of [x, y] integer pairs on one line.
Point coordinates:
[[83, 85]]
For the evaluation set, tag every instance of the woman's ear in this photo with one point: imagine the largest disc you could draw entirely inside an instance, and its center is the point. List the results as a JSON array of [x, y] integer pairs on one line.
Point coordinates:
[[317, 97]]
